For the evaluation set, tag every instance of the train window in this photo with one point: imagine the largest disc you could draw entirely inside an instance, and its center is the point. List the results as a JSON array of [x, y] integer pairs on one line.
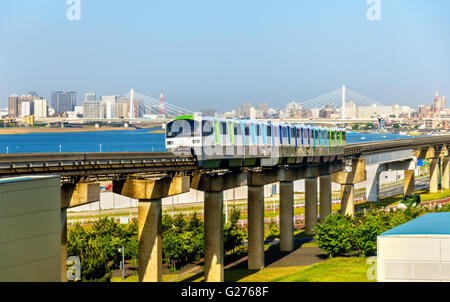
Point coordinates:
[[258, 133], [247, 131], [323, 135], [207, 127], [224, 128], [344, 136], [183, 128], [317, 134], [293, 132], [284, 130], [269, 131]]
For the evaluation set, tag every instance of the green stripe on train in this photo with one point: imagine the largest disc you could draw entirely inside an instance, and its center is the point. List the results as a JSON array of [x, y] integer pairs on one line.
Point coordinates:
[[184, 117], [230, 128], [216, 131]]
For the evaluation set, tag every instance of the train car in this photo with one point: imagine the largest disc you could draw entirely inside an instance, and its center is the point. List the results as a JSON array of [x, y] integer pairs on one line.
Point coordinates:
[[218, 142]]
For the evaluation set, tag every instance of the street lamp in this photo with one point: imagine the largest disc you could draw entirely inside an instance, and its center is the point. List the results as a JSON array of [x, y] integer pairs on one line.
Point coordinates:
[[122, 263]]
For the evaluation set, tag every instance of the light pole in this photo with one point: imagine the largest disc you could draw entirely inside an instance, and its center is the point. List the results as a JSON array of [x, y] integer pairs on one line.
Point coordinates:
[[122, 263]]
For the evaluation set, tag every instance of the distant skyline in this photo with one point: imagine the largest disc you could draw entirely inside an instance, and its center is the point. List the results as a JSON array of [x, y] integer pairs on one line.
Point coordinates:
[[221, 54]]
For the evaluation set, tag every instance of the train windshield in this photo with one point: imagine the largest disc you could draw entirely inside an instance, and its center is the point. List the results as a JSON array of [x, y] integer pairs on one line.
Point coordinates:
[[183, 128]]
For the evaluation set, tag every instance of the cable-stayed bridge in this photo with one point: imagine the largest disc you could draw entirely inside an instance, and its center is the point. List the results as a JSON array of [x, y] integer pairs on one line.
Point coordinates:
[[141, 105], [339, 99]]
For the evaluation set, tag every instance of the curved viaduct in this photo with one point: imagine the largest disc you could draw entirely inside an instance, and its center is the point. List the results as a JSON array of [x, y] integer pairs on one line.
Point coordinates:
[[151, 176]]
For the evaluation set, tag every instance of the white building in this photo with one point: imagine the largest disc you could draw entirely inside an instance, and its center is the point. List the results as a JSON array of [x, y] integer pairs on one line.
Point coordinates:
[[417, 251], [109, 106], [26, 109], [40, 108]]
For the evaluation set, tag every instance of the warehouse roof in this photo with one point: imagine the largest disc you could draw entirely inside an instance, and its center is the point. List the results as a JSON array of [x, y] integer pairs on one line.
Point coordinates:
[[429, 224]]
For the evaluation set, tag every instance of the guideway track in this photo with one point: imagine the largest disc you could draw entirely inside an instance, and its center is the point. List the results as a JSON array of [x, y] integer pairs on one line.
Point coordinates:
[[117, 163]]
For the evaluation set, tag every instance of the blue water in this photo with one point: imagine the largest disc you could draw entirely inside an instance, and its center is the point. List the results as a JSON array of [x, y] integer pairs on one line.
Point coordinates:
[[115, 141]]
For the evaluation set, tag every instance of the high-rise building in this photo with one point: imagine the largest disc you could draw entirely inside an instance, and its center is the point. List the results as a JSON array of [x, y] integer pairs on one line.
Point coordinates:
[[64, 101], [13, 106], [40, 108], [92, 110], [109, 106], [27, 108], [90, 96]]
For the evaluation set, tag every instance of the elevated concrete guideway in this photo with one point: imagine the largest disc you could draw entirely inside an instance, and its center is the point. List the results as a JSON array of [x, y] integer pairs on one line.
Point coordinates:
[[151, 176], [86, 164]]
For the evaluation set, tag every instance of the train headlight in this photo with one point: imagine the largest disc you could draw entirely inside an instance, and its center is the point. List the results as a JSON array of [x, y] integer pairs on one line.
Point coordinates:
[[169, 143], [196, 141]]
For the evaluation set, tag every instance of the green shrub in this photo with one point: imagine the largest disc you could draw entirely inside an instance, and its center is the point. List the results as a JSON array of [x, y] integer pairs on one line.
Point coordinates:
[[335, 235], [358, 235]]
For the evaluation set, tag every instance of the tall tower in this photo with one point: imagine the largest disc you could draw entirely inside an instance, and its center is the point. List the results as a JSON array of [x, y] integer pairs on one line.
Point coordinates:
[[437, 104], [161, 111], [343, 102], [131, 104]]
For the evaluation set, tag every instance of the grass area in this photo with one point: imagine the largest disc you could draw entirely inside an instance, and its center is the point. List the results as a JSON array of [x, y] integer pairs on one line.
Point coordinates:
[[425, 195], [339, 269]]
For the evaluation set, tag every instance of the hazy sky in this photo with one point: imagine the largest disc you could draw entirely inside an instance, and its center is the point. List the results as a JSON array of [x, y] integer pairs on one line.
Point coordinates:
[[221, 53]]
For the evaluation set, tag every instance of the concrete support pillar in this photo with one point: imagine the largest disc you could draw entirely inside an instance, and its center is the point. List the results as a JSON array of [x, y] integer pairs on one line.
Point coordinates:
[[434, 175], [445, 173], [255, 227], [409, 184], [214, 251], [325, 197], [150, 241], [373, 183], [347, 199], [310, 205], [63, 245], [286, 216]]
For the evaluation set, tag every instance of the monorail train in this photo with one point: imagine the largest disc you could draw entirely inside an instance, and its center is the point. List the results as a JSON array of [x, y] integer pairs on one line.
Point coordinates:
[[219, 142]]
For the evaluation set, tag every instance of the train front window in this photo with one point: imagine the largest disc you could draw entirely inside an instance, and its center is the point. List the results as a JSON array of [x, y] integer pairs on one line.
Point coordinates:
[[183, 128]]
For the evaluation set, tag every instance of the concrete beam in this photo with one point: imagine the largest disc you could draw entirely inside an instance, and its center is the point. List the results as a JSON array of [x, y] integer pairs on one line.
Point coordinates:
[[357, 174], [347, 199], [409, 186], [80, 194], [256, 227], [434, 175], [373, 182], [325, 198], [214, 252], [151, 189], [267, 177], [310, 205], [445, 173], [150, 241], [218, 183], [400, 165], [286, 216], [426, 153]]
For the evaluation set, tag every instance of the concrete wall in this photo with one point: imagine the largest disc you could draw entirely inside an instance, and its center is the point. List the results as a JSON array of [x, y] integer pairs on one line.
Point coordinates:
[[30, 229], [422, 258], [109, 200]]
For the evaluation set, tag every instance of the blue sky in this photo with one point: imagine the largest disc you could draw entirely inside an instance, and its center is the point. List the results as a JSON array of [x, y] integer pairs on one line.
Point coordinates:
[[219, 54]]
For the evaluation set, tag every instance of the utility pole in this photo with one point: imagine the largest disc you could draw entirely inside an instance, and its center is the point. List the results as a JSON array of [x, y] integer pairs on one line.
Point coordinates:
[[122, 263]]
